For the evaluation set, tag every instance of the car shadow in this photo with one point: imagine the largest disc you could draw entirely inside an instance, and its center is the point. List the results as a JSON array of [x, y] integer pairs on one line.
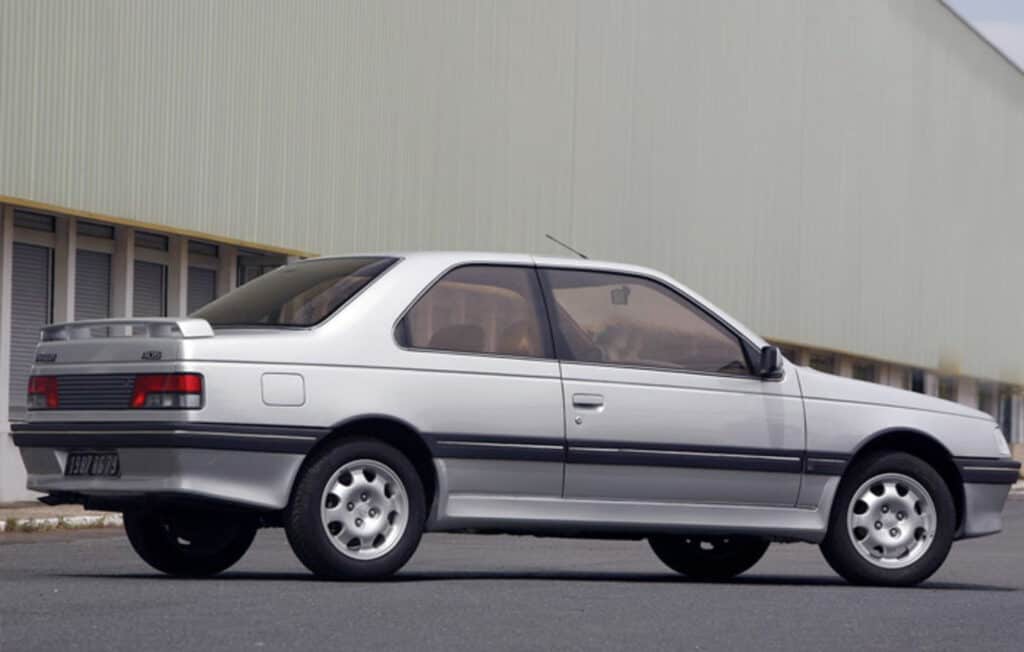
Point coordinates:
[[554, 576]]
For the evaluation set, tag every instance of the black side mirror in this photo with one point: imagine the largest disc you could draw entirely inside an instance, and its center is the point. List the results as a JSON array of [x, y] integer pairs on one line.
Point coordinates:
[[770, 364]]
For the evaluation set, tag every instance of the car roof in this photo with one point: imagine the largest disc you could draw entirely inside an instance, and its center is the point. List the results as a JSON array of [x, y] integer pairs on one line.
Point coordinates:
[[457, 257]]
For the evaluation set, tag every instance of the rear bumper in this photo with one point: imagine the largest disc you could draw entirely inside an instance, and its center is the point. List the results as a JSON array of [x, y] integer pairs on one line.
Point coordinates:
[[237, 465]]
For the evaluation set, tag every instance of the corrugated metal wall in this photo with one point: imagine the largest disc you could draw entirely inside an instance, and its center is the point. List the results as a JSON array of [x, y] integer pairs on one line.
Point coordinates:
[[843, 174]]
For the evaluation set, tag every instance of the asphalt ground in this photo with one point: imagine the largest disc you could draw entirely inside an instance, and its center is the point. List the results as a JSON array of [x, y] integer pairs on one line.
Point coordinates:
[[87, 591]]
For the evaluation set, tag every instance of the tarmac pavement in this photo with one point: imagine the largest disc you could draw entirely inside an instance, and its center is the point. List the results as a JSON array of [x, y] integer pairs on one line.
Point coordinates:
[[86, 590]]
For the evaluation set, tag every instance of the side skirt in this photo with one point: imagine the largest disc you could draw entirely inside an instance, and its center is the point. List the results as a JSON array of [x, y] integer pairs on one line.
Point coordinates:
[[579, 517]]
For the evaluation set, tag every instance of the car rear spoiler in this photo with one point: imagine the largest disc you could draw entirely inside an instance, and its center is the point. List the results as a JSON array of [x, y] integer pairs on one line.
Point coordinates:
[[166, 327]]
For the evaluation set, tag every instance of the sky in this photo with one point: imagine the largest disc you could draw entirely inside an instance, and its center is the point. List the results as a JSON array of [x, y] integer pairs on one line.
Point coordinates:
[[1000, 21]]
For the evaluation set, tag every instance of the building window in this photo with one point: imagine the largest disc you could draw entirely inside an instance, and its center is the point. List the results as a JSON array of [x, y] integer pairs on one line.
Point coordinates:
[[867, 371], [92, 285], [823, 362], [252, 265], [202, 248], [151, 240], [987, 398], [248, 273], [1006, 414], [34, 222], [94, 230], [916, 380], [947, 388], [202, 287], [149, 297], [31, 308], [790, 353]]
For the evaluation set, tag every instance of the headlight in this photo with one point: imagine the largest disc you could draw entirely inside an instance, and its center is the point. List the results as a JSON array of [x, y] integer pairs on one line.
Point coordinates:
[[1001, 445]]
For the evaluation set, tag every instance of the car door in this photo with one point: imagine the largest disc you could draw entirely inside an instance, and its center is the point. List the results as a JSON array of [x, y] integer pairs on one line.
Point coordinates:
[[660, 401], [480, 370]]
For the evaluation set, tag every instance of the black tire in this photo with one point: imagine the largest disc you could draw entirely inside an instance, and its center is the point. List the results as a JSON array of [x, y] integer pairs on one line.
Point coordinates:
[[712, 558], [839, 548], [308, 535], [189, 544]]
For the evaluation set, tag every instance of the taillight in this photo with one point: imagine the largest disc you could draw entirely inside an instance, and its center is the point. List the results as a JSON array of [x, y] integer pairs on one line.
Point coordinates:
[[42, 393], [173, 391]]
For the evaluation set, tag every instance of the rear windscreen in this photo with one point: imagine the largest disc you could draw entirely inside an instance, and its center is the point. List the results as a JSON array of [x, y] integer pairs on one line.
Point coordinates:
[[302, 294]]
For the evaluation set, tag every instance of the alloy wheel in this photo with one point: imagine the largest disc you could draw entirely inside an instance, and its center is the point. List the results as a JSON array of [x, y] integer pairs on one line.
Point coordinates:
[[891, 520], [364, 509]]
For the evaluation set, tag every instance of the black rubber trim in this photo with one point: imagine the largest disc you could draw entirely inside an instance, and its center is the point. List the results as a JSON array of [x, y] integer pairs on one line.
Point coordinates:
[[491, 447], [771, 460], [159, 500], [502, 452], [292, 439], [825, 463], [618, 453], [213, 436], [125, 426], [211, 441], [987, 470]]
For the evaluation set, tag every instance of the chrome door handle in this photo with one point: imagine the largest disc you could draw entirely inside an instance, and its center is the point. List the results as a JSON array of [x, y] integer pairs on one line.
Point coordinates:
[[587, 400]]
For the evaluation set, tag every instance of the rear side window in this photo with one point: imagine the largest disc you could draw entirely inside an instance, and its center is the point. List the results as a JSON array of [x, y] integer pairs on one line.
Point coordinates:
[[632, 321], [303, 294], [486, 309]]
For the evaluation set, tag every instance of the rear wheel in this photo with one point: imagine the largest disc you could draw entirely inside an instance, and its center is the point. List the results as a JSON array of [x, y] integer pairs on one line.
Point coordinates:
[[357, 512], [892, 522], [189, 544], [708, 557]]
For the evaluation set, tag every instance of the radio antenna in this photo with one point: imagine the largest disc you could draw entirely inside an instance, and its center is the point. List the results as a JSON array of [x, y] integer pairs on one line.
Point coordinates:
[[575, 251]]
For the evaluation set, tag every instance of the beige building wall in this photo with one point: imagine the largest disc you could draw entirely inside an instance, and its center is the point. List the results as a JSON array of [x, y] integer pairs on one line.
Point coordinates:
[[835, 173]]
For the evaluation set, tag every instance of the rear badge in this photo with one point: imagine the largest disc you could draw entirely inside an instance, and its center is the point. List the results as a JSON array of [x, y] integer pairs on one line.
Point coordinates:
[[46, 357], [152, 355]]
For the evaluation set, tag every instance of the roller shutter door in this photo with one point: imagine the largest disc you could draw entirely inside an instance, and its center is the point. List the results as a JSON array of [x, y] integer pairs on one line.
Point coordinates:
[[202, 287], [31, 308], [92, 285], [149, 297]]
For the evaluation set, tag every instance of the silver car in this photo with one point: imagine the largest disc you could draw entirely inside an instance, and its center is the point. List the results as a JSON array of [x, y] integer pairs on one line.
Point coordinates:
[[360, 401]]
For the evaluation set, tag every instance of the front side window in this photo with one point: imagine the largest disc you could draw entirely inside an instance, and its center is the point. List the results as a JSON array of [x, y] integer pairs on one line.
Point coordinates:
[[631, 321], [486, 309], [303, 294]]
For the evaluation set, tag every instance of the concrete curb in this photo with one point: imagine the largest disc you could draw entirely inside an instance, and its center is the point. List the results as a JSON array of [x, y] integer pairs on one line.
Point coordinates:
[[46, 523]]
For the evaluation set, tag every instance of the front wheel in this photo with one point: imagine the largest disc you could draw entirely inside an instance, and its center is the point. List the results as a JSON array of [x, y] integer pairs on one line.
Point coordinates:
[[892, 522], [708, 557], [357, 511], [189, 544]]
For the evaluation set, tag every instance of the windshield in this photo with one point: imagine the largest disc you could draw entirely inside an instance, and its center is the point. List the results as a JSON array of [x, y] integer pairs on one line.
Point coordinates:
[[302, 294]]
